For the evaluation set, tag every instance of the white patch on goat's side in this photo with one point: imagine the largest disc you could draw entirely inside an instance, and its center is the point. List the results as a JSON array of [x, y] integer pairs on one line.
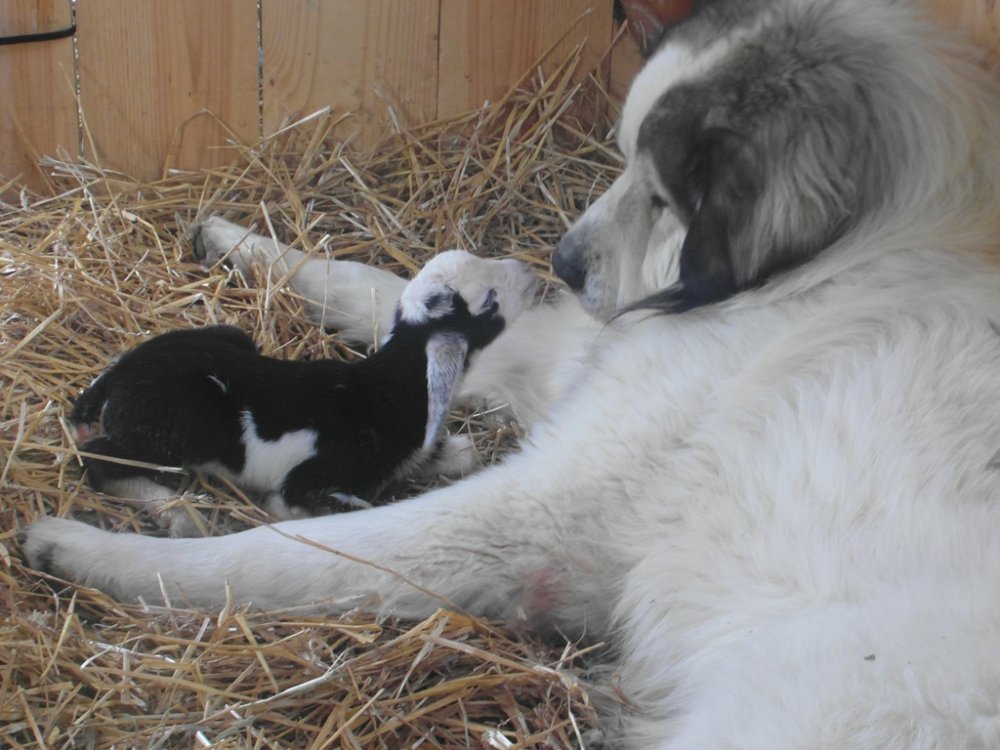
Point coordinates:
[[269, 461]]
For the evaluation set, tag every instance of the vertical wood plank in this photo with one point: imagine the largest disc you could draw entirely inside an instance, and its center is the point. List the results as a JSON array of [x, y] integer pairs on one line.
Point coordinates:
[[342, 53], [486, 45], [154, 76], [979, 19], [38, 107], [626, 60]]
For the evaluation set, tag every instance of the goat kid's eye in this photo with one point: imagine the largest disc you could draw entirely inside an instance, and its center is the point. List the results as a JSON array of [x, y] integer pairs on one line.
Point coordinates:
[[434, 300], [657, 203], [490, 301]]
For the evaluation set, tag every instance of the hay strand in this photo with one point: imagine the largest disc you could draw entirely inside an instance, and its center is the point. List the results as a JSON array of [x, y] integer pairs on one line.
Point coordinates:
[[103, 264]]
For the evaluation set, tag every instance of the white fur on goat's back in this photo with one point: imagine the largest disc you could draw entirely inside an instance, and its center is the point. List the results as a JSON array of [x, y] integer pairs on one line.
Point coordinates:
[[269, 461]]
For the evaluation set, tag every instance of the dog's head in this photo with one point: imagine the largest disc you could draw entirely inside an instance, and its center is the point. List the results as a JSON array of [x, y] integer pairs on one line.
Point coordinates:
[[751, 143]]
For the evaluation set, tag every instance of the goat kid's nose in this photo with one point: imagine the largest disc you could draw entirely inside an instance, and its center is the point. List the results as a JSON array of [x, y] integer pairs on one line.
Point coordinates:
[[568, 264]]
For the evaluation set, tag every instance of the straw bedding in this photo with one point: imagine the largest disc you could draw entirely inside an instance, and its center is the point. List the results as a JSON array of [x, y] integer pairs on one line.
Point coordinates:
[[102, 266]]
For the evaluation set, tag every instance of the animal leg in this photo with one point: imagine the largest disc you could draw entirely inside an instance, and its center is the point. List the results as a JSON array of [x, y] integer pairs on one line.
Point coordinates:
[[155, 492], [487, 545], [455, 457], [287, 506], [354, 298]]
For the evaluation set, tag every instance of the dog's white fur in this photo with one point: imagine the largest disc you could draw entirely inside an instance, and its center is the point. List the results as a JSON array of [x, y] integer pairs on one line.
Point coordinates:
[[782, 509]]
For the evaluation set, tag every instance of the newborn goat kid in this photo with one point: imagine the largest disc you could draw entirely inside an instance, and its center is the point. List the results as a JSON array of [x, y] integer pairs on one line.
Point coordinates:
[[309, 437]]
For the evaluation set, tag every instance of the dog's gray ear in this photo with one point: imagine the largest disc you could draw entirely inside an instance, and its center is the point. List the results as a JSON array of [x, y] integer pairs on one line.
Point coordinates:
[[647, 19], [726, 191], [719, 192], [446, 353]]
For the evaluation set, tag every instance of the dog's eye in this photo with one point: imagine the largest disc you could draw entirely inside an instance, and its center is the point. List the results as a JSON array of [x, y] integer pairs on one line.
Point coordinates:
[[657, 202]]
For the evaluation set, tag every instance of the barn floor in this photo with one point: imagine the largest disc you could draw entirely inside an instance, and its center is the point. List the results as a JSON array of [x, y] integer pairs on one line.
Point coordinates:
[[103, 265]]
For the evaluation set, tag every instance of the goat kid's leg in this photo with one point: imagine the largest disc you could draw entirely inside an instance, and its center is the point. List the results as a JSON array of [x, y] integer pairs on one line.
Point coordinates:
[[354, 298], [168, 508], [147, 489], [455, 457], [485, 545]]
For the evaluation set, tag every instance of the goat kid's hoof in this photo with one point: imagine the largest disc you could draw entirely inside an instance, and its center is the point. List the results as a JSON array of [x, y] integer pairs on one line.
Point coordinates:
[[177, 518], [457, 457], [215, 239]]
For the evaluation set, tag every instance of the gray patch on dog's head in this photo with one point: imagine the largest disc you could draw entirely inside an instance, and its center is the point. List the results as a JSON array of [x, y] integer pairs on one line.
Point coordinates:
[[771, 156]]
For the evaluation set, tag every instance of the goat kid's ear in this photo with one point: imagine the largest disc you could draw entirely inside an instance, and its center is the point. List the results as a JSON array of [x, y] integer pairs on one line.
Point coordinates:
[[446, 353]]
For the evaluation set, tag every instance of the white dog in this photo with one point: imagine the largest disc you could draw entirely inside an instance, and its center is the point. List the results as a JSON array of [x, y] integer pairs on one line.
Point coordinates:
[[774, 482]]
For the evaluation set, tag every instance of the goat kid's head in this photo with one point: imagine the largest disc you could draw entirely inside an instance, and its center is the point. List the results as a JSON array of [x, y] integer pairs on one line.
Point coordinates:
[[473, 297], [464, 303]]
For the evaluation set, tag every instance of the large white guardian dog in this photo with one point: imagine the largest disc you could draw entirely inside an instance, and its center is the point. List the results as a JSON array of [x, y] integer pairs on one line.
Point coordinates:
[[773, 483]]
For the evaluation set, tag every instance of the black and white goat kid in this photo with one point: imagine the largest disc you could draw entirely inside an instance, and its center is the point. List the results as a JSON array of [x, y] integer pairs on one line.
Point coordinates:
[[308, 437]]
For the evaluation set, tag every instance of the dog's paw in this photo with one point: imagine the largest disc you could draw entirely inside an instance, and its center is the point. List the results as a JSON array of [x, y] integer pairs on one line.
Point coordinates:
[[216, 239], [49, 545]]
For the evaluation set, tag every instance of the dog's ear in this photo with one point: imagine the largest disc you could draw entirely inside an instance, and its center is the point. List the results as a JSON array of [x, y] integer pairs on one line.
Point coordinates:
[[446, 355], [647, 19], [718, 192]]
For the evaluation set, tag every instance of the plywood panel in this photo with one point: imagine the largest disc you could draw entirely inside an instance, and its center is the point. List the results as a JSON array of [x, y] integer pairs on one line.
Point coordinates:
[[151, 71], [980, 19], [342, 53], [626, 60], [486, 45], [38, 106]]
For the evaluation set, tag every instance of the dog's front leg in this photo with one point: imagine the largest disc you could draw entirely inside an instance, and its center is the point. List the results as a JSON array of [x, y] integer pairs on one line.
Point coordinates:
[[356, 299], [488, 545]]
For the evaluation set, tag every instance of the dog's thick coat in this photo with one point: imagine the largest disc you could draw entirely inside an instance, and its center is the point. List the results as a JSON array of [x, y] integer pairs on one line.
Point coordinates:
[[780, 506]]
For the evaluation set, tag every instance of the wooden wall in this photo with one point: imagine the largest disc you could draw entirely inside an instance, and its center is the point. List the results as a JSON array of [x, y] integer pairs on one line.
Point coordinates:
[[38, 113], [980, 19], [165, 84]]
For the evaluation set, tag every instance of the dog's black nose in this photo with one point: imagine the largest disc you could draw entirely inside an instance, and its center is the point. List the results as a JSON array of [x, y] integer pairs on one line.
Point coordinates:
[[567, 263]]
